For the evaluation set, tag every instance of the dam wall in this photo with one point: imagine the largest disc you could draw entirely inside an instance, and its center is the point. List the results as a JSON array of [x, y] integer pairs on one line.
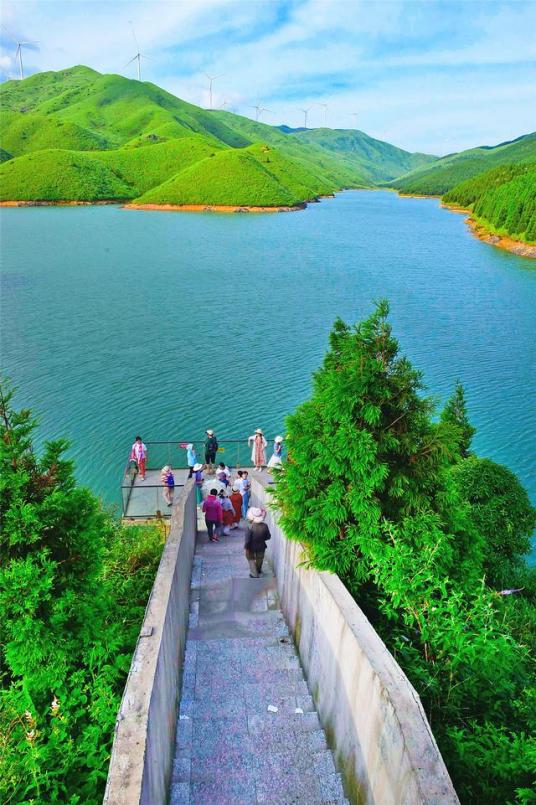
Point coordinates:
[[142, 754]]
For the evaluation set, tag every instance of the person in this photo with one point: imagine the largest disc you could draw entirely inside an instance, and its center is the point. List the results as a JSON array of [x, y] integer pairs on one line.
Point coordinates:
[[227, 511], [191, 458], [213, 515], [211, 448], [223, 473], [257, 535], [139, 455], [246, 492], [168, 482], [258, 446], [236, 502], [198, 480], [276, 457]]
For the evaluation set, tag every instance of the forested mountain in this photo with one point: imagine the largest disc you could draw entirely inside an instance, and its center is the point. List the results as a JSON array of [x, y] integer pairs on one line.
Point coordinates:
[[79, 135], [447, 172], [503, 200]]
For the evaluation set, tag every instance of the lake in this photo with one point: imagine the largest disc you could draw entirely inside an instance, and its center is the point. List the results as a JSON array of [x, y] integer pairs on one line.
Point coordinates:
[[116, 322]]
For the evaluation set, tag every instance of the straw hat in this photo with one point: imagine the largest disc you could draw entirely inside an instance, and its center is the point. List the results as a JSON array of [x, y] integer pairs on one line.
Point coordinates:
[[259, 430], [278, 439], [209, 432], [198, 467], [236, 487], [167, 468], [256, 515]]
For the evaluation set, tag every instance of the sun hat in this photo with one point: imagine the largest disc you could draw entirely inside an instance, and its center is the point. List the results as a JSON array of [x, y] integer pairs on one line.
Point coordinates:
[[236, 487], [198, 467], [209, 432], [166, 468], [259, 430], [189, 446], [256, 515], [278, 439]]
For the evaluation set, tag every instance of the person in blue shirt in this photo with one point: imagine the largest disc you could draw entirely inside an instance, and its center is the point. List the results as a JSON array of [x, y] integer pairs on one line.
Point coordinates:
[[191, 458]]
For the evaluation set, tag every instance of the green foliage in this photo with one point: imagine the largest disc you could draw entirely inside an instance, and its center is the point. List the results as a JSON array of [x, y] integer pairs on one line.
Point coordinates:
[[109, 118], [503, 200], [449, 171], [501, 512], [370, 488], [455, 413], [73, 587]]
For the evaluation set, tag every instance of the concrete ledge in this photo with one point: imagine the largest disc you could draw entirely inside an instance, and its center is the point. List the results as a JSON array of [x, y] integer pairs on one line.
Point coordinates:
[[142, 753], [372, 715]]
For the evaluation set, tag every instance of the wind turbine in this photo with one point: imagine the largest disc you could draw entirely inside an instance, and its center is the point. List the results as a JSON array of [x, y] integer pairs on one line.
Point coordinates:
[[305, 113], [18, 52], [212, 78], [325, 108], [259, 110], [139, 56]]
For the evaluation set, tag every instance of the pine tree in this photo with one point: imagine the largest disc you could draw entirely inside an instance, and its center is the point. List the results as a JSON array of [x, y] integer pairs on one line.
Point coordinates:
[[455, 413]]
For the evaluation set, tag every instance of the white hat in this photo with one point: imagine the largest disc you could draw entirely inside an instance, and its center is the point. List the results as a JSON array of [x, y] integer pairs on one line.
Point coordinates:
[[236, 487], [189, 446], [209, 432], [278, 439], [259, 430], [256, 515], [198, 467]]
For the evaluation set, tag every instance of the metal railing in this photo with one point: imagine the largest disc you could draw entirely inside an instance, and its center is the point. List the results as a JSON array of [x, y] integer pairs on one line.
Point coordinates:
[[145, 500]]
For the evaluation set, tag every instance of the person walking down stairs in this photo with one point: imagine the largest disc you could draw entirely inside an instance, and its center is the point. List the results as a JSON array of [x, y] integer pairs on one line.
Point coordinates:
[[257, 535]]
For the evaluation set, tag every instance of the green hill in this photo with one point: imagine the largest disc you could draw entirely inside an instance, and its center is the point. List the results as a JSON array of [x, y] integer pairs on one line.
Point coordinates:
[[255, 176], [503, 200], [60, 176], [136, 138], [447, 172], [377, 160]]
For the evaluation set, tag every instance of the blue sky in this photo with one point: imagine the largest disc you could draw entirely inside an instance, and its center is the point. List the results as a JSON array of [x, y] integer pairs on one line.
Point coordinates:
[[428, 75]]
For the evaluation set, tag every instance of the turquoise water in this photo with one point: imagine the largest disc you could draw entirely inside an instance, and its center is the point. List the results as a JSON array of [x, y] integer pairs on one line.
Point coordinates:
[[118, 321]]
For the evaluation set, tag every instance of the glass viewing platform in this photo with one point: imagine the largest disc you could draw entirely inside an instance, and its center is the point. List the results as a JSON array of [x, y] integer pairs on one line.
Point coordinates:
[[144, 500]]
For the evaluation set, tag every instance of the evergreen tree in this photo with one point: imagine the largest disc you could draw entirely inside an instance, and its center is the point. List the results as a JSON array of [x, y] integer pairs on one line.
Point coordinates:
[[455, 413], [363, 449]]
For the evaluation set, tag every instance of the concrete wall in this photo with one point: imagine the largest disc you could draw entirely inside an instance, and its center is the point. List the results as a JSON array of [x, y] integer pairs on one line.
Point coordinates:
[[372, 715], [142, 754]]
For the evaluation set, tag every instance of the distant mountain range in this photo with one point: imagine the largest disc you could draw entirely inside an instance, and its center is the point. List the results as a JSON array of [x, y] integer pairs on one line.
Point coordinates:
[[78, 135]]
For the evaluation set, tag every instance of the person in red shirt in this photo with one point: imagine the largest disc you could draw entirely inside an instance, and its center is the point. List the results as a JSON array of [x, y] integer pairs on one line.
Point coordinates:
[[213, 514]]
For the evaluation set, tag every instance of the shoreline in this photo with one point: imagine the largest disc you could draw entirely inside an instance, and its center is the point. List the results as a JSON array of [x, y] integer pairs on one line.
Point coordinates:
[[481, 232], [98, 203], [221, 208]]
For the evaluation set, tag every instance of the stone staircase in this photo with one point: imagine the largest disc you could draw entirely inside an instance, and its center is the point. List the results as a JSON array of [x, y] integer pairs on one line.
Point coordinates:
[[247, 729]]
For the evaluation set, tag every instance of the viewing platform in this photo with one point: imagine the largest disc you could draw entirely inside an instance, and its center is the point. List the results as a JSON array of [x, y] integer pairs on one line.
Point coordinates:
[[143, 499]]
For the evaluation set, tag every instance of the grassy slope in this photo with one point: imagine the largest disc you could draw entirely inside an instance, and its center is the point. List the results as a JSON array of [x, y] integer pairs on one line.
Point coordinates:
[[254, 176], [378, 161], [57, 175], [449, 171], [27, 132], [502, 199]]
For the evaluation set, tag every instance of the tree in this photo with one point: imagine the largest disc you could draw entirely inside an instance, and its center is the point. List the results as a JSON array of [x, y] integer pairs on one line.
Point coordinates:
[[455, 413], [501, 513], [72, 594], [364, 448]]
